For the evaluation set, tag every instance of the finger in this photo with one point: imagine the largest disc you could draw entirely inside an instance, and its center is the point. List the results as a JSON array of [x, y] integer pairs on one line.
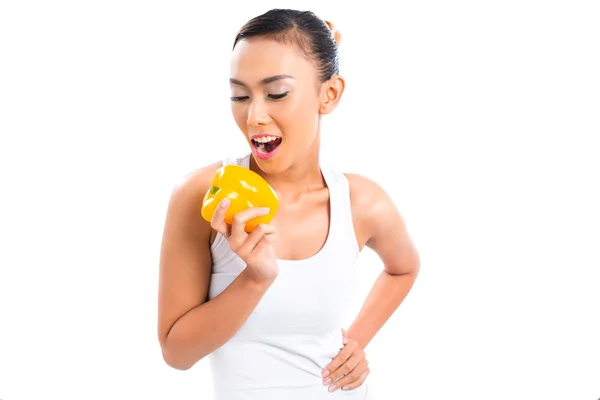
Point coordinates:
[[263, 245], [346, 368], [240, 219], [254, 238], [352, 375], [218, 220], [341, 358], [353, 384], [345, 339], [261, 249]]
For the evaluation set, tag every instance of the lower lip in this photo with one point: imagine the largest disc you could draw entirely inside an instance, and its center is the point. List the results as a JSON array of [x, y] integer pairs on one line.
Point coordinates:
[[265, 156]]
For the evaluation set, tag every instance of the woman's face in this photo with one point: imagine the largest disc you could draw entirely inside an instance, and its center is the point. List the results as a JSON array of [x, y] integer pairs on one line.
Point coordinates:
[[276, 100]]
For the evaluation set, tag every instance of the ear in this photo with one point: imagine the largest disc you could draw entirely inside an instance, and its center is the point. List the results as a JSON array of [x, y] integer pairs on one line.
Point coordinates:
[[331, 94]]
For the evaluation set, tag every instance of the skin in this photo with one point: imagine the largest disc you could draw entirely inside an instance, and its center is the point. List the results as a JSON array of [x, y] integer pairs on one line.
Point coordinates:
[[189, 326]]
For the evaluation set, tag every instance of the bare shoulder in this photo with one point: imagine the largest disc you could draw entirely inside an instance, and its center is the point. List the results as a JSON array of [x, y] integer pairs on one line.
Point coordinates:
[[380, 225], [184, 225], [371, 205], [193, 185], [365, 191]]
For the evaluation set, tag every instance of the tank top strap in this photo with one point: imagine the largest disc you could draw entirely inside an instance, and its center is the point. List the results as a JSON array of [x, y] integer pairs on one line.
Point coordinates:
[[241, 161], [341, 224]]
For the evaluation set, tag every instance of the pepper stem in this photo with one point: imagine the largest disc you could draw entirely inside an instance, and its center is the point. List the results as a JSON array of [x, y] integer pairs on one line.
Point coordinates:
[[213, 190]]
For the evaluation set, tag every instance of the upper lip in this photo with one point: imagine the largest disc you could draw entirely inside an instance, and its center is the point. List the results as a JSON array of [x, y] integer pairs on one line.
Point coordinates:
[[259, 135]]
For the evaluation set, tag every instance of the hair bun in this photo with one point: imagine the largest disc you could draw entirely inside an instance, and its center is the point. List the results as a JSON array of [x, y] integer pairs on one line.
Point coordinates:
[[337, 36]]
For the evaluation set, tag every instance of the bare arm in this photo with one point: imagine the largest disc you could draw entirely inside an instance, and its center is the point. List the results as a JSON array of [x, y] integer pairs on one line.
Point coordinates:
[[379, 226], [189, 326], [383, 230]]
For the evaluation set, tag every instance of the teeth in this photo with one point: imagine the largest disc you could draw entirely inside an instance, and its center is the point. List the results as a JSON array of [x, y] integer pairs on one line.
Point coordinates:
[[265, 139]]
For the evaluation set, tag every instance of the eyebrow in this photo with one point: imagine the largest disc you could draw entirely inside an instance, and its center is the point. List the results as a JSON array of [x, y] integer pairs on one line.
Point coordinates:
[[264, 81]]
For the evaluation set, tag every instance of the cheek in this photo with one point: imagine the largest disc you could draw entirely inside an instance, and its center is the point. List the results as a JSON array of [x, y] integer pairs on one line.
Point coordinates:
[[240, 116], [298, 116]]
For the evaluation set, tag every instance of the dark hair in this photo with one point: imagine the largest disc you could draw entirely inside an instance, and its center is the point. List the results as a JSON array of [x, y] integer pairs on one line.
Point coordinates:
[[311, 34]]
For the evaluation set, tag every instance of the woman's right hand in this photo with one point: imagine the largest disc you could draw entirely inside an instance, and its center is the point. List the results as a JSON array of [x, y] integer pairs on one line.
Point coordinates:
[[254, 248]]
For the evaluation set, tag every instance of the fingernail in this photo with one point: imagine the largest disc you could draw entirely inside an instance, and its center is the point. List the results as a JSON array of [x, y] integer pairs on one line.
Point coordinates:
[[327, 382], [346, 388], [326, 373], [266, 210], [331, 388], [345, 340], [224, 202]]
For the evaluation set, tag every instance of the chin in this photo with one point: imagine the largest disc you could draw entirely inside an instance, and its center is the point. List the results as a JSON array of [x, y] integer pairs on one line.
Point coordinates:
[[275, 165], [272, 166]]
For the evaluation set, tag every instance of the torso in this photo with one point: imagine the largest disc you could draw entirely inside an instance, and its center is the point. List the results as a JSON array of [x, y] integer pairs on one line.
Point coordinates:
[[295, 330]]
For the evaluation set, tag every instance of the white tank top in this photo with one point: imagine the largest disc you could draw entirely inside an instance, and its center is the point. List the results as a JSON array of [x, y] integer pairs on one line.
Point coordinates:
[[295, 330]]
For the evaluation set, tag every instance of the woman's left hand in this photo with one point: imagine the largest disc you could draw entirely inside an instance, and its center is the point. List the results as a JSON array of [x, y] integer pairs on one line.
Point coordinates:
[[350, 366]]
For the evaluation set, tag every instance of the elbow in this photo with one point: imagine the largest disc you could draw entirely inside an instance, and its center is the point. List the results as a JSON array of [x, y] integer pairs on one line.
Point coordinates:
[[176, 362], [173, 358], [414, 265], [417, 267], [414, 271]]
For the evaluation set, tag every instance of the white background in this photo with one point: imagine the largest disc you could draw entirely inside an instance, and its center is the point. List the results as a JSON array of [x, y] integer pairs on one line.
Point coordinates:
[[480, 118]]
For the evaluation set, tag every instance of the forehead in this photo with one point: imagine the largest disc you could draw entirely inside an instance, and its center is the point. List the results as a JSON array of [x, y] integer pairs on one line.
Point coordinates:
[[257, 58]]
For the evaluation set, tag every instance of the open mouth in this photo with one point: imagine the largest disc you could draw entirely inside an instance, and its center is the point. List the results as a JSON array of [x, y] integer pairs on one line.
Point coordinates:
[[266, 145]]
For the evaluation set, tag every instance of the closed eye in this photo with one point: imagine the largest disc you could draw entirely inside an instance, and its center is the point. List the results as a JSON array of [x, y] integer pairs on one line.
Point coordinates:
[[278, 96], [239, 98]]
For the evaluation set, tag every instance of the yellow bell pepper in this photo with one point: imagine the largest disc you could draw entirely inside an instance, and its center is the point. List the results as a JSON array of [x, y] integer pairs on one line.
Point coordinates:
[[245, 189]]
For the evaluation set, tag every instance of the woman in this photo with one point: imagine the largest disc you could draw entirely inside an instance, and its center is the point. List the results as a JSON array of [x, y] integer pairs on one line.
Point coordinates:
[[267, 307]]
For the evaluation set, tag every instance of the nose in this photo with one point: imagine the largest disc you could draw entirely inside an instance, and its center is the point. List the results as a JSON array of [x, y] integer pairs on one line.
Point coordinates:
[[257, 114]]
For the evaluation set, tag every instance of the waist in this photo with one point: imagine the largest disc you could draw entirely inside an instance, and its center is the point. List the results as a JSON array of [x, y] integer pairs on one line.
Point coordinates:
[[314, 392], [277, 367]]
